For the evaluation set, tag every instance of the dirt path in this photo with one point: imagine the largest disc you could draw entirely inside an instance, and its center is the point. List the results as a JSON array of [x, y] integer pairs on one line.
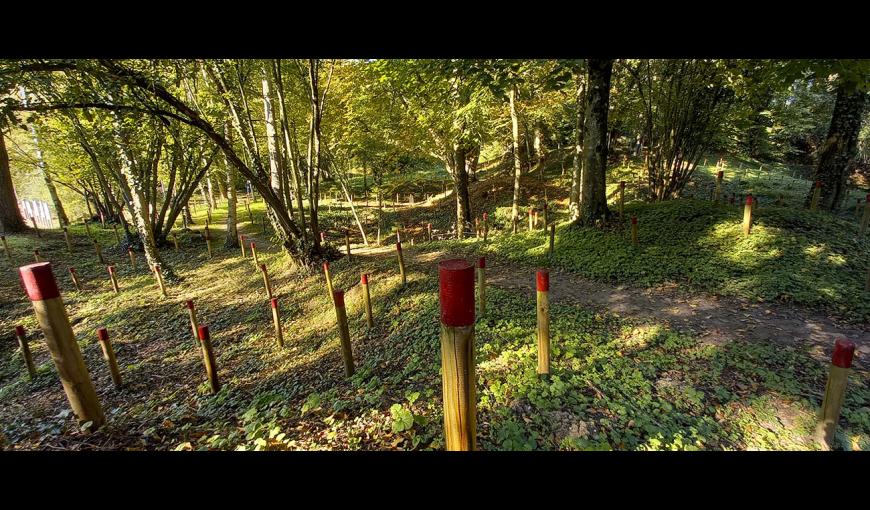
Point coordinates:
[[713, 319]]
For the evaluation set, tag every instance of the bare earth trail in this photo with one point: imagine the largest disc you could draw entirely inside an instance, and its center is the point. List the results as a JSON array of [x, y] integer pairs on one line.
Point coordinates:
[[713, 319]]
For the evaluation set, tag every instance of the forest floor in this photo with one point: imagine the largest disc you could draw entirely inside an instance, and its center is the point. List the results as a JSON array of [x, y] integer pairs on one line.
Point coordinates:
[[638, 362]]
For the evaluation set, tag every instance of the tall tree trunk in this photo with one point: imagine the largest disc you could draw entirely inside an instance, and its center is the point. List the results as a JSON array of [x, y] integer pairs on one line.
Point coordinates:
[[232, 238], [837, 155], [518, 165], [275, 171], [456, 165], [10, 215], [593, 196], [574, 200], [49, 184], [314, 150]]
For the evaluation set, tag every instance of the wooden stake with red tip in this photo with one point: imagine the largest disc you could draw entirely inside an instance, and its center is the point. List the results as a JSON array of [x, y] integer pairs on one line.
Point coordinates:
[[747, 215], [835, 392], [193, 322], [36, 257], [817, 193], [344, 333], [530, 218], [458, 374], [114, 280], [109, 355], [401, 262], [634, 240], [429, 230], [254, 254], [276, 319], [367, 299], [328, 278], [41, 288], [208, 359], [242, 244], [543, 286], [75, 279], [266, 282], [481, 286], [25, 351]]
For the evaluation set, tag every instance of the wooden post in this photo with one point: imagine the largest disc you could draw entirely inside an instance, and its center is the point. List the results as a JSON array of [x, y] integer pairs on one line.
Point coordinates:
[[25, 351], [458, 375], [242, 244], [481, 286], [634, 230], [117, 237], [347, 244], [109, 356], [718, 189], [266, 281], [344, 334], [322, 238], [193, 322], [328, 279], [41, 288], [159, 276], [132, 258], [530, 218], [865, 219], [552, 239], [254, 254], [621, 198], [543, 284], [208, 241], [208, 359], [36, 257], [99, 250], [6, 247], [485, 226], [276, 319], [36, 227], [67, 239], [175, 241], [429, 230], [401, 262], [817, 191], [367, 299], [835, 392], [477, 228], [75, 279], [747, 215], [113, 279]]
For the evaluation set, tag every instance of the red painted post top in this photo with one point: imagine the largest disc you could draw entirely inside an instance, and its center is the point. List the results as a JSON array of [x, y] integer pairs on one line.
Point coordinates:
[[621, 184], [263, 267], [157, 267], [485, 216], [36, 252], [112, 269], [399, 246], [253, 245], [338, 297], [456, 292], [543, 280], [39, 282], [818, 184], [322, 238], [203, 333], [72, 270], [364, 279], [129, 250], [481, 262], [545, 206], [189, 304], [844, 351], [748, 199], [326, 267], [19, 330], [634, 220], [274, 302], [102, 334], [720, 174]]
